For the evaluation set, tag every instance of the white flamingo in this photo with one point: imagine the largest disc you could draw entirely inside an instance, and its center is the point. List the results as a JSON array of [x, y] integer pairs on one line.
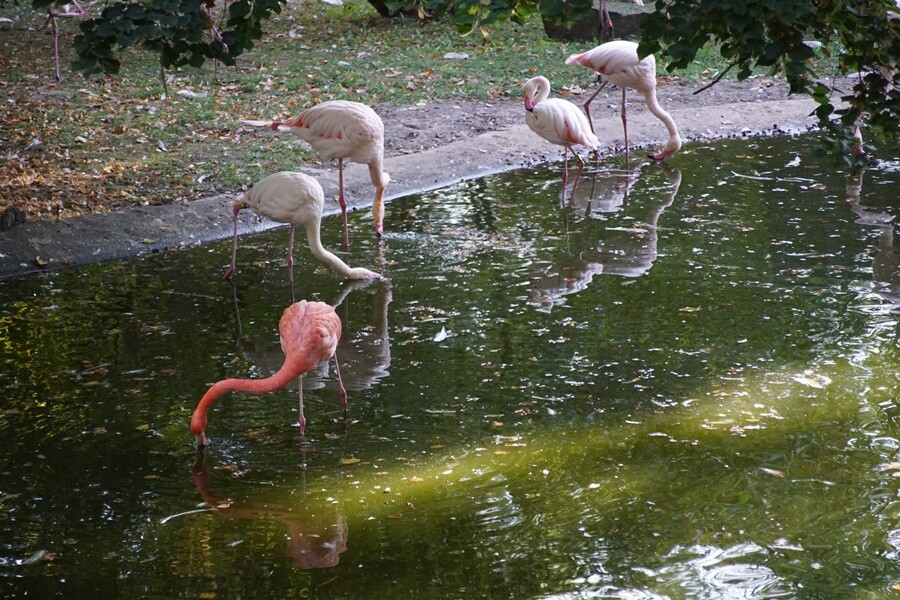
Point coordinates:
[[297, 199], [344, 130], [618, 62], [559, 122]]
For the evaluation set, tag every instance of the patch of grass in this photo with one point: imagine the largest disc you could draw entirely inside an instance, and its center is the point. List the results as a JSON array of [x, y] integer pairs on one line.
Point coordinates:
[[88, 145]]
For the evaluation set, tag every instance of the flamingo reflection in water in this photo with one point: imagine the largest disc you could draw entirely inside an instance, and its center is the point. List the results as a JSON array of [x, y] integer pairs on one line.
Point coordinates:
[[607, 193], [629, 252], [886, 263], [315, 540], [365, 346]]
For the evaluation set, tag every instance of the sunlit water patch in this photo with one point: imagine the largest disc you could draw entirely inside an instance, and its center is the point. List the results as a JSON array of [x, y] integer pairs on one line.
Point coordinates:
[[681, 384]]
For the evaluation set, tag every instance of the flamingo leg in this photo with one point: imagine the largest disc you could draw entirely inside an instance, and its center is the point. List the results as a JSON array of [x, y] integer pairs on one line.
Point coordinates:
[[587, 105], [51, 20], [290, 255], [565, 173], [301, 418], [343, 202], [577, 177], [624, 125], [230, 270], [343, 392], [55, 28]]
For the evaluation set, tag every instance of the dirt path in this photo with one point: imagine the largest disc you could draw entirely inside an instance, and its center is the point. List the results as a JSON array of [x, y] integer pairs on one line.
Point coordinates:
[[426, 147]]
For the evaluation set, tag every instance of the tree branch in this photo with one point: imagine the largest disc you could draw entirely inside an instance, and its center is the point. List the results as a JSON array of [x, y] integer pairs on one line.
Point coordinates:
[[716, 80]]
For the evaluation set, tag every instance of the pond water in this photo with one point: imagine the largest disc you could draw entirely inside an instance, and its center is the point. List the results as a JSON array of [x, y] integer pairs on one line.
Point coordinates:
[[684, 386]]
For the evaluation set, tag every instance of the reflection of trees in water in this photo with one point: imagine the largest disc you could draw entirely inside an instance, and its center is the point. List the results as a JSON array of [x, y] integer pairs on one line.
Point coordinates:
[[626, 252], [314, 540], [886, 263], [364, 351]]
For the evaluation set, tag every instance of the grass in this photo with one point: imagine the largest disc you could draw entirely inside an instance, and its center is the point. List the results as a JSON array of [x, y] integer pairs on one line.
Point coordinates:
[[109, 143]]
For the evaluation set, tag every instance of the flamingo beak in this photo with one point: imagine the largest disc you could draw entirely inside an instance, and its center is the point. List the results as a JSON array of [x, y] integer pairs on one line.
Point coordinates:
[[275, 125], [529, 105], [201, 440]]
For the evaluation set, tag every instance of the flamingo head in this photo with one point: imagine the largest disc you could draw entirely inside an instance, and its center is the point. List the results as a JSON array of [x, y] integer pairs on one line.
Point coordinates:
[[361, 274], [198, 427], [534, 91]]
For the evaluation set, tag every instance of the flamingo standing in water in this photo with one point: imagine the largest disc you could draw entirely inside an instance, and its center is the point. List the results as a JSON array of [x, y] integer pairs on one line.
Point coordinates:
[[618, 62], [345, 130], [309, 335], [557, 121], [297, 199]]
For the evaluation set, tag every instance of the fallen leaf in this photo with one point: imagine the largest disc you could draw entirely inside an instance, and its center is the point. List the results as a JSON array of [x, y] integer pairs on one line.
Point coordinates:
[[773, 472], [812, 380]]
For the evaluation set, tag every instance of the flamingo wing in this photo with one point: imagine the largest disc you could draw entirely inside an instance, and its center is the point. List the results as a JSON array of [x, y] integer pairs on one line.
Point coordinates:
[[560, 122], [286, 197], [610, 57], [342, 129], [309, 332]]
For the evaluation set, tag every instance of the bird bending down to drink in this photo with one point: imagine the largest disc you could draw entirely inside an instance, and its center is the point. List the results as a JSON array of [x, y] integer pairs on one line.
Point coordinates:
[[618, 62], [346, 131], [309, 335], [296, 199]]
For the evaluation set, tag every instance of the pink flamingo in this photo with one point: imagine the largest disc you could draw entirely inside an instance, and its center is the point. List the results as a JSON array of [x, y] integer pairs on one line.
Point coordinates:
[[345, 130], [557, 121], [309, 335], [297, 199], [618, 62]]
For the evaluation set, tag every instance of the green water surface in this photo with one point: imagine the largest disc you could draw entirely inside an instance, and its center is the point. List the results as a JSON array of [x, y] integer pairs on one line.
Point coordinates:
[[685, 385]]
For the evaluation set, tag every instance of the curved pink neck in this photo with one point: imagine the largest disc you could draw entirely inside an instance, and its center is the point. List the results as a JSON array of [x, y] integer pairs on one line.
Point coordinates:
[[289, 371]]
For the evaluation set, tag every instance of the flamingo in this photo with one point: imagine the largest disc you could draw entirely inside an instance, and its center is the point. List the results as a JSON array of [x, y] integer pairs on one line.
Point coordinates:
[[345, 130], [557, 121], [297, 199], [309, 335], [618, 62], [605, 21], [67, 13]]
